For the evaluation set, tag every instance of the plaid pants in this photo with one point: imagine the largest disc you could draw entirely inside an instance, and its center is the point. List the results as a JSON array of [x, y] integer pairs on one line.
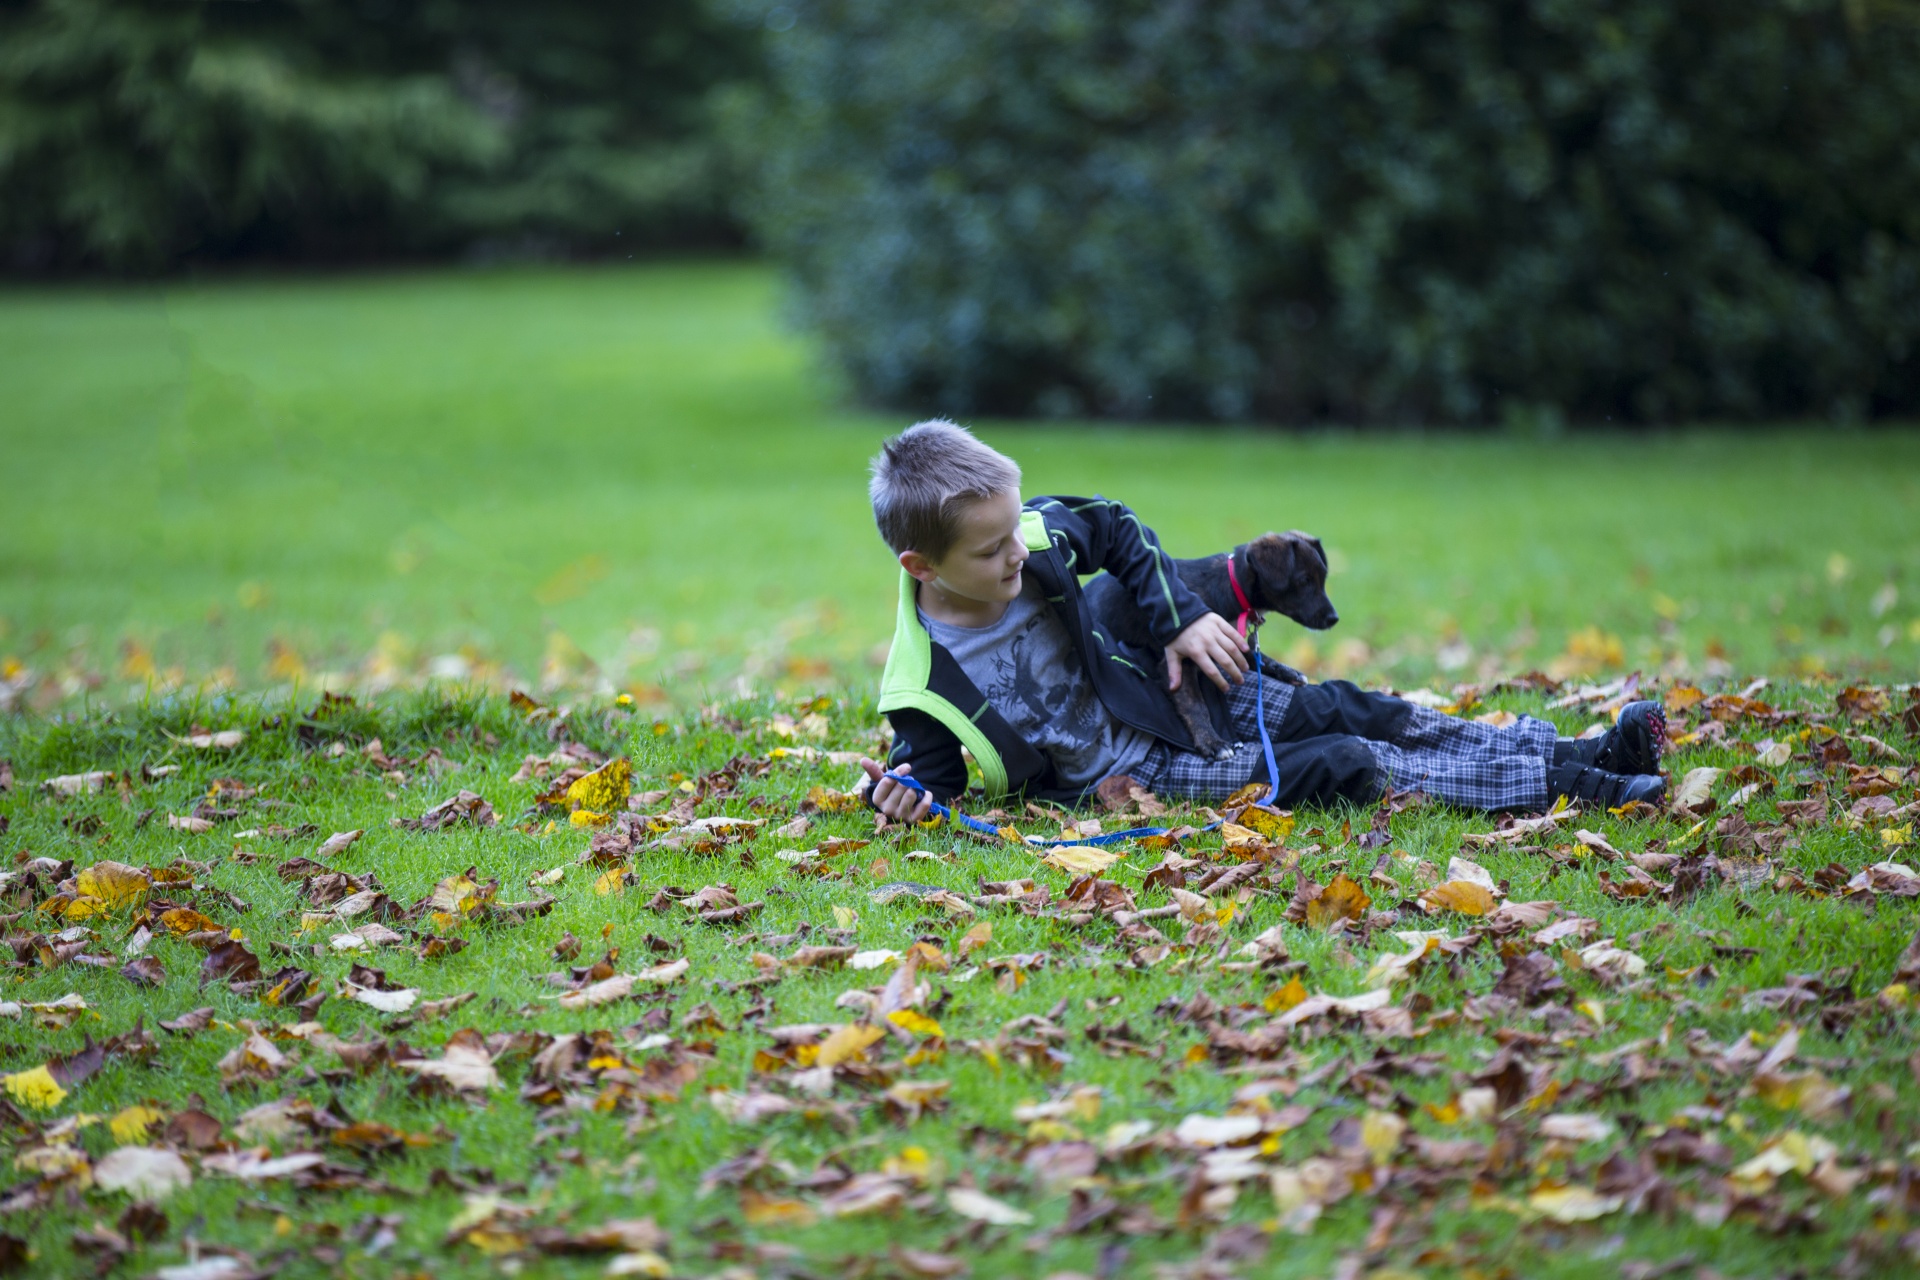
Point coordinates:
[[1463, 762]]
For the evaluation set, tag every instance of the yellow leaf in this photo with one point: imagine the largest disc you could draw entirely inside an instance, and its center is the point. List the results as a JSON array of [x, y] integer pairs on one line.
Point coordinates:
[[847, 1043], [916, 1022], [36, 1088], [1463, 896], [131, 1125], [912, 1162], [1284, 998], [114, 883], [181, 920], [1081, 859], [1380, 1134], [773, 1211], [610, 881], [1274, 824], [845, 917], [588, 818], [83, 907], [605, 789], [827, 800]]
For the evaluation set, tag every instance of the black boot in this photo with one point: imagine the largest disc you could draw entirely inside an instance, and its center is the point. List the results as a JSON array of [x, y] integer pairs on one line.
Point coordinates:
[[1632, 746], [1584, 784]]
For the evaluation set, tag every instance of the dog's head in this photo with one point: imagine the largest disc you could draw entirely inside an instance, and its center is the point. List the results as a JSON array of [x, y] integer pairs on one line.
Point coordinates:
[[1289, 572]]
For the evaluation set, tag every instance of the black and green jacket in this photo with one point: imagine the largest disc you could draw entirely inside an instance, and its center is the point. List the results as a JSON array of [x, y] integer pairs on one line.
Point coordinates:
[[935, 709]]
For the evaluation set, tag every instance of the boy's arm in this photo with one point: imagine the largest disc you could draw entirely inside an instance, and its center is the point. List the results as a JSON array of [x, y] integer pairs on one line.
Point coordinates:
[[932, 750], [1107, 535]]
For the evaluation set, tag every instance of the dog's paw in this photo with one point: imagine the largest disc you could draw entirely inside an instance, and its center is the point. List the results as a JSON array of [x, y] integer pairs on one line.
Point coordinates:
[[1281, 672]]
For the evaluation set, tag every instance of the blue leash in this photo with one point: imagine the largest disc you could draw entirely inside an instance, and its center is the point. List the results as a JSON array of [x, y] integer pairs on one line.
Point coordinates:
[[1133, 833]]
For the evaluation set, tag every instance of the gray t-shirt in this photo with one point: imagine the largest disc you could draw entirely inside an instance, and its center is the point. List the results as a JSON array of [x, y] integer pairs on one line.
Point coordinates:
[[1026, 665]]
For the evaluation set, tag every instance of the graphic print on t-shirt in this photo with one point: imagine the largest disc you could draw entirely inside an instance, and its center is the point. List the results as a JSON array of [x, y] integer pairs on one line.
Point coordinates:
[[1028, 669], [1062, 720]]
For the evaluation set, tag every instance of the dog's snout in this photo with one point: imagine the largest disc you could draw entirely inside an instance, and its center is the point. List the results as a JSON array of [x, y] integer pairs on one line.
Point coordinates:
[[1327, 619]]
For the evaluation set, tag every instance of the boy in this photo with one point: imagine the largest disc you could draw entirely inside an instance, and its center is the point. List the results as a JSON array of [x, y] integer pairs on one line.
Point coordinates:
[[994, 652]]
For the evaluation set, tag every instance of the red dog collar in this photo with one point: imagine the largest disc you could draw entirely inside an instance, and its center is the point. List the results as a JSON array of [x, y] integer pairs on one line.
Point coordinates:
[[1246, 607]]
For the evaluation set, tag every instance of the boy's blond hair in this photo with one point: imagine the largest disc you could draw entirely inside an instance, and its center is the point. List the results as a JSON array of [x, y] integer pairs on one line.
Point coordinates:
[[925, 476]]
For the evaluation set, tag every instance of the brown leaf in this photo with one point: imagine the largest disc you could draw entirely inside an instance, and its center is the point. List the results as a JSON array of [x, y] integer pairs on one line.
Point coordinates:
[[195, 1130], [334, 845], [819, 958], [1511, 917], [465, 807], [1321, 908], [231, 962], [190, 1023], [1858, 702], [144, 971]]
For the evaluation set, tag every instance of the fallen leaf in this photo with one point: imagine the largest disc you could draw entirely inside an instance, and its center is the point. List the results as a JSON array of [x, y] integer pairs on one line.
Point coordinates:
[[1341, 899], [147, 1173], [981, 1207], [115, 883], [1694, 789], [1081, 859], [848, 1042], [1571, 1127], [131, 1125], [1462, 896], [337, 843], [1204, 1131], [465, 1065], [260, 1166], [396, 1001], [1572, 1203], [604, 790]]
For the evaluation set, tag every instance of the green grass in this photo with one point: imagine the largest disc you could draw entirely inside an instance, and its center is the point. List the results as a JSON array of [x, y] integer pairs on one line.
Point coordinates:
[[357, 480], [645, 463], [576, 1166]]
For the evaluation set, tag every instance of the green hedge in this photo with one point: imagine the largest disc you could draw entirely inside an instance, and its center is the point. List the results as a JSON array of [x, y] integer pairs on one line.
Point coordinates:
[[140, 134], [1356, 210]]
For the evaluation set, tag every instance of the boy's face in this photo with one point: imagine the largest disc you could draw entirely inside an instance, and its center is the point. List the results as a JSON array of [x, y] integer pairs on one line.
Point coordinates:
[[984, 563]]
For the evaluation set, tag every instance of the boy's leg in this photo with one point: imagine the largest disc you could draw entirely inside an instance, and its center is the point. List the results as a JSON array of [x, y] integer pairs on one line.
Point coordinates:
[[1317, 771], [1428, 730], [1340, 706], [1471, 775]]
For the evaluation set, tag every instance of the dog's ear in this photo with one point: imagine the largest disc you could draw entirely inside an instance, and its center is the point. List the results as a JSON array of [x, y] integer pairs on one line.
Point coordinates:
[[1273, 561], [1313, 551]]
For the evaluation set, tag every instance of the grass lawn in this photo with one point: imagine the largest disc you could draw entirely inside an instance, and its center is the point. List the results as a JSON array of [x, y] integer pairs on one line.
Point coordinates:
[[1737, 1090], [1696, 1049], [378, 477]]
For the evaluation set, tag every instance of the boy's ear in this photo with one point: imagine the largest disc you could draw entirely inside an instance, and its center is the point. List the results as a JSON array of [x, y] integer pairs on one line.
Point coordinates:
[[918, 565]]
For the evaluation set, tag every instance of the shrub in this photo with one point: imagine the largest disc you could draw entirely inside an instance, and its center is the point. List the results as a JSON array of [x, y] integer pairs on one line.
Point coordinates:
[[138, 135], [1366, 211]]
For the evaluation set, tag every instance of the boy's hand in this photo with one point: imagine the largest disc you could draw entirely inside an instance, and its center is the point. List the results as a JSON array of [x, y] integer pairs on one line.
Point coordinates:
[[1213, 646], [900, 804]]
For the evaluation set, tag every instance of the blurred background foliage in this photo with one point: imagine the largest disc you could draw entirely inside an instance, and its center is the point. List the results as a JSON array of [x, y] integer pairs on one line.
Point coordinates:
[[142, 135], [1368, 211], [1372, 211]]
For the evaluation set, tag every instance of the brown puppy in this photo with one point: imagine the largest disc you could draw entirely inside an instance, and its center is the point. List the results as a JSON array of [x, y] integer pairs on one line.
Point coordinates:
[[1283, 573]]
